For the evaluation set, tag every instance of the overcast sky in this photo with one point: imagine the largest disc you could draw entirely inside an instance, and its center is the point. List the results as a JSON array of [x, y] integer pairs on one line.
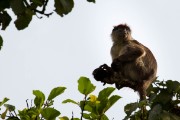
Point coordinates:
[[56, 51]]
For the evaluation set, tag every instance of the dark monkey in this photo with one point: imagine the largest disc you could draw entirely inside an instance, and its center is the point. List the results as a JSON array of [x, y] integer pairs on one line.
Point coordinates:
[[132, 62]]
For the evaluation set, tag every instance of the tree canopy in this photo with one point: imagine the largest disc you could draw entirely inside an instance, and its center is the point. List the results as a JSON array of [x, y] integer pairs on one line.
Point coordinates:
[[24, 10]]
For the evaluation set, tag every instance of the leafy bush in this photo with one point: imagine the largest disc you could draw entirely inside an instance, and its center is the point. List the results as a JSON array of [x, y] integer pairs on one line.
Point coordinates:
[[162, 103], [163, 100], [92, 107]]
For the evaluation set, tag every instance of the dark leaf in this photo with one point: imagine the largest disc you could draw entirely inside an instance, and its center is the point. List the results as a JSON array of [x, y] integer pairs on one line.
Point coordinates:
[[91, 1], [38, 2], [23, 20], [63, 7], [173, 86], [165, 115], [154, 114], [13, 118], [4, 4], [17, 6], [129, 108], [164, 98], [1, 44], [9, 107], [5, 19]]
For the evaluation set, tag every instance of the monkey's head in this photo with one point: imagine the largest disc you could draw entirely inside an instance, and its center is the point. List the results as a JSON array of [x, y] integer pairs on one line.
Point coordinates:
[[120, 33]]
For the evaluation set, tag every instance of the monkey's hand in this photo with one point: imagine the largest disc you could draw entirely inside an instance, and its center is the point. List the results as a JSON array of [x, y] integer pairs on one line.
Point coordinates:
[[116, 65], [103, 73]]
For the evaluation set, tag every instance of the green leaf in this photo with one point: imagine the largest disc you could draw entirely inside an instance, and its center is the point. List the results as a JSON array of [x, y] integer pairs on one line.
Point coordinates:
[[86, 116], [104, 117], [3, 115], [91, 1], [75, 119], [5, 19], [5, 99], [129, 108], [55, 92], [85, 86], [63, 118], [101, 108], [17, 6], [70, 101], [63, 7], [105, 93], [23, 20], [31, 113], [50, 113], [39, 99], [112, 100], [9, 107], [24, 114]]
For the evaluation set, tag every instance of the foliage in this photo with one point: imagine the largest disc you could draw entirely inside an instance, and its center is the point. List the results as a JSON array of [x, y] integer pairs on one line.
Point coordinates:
[[163, 101], [24, 10], [92, 107]]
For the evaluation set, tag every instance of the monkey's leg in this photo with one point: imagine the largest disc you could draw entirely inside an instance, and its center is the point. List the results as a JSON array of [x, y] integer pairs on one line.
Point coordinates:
[[142, 94]]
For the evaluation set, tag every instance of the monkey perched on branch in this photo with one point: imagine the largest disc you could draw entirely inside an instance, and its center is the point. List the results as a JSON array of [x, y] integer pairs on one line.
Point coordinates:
[[133, 64]]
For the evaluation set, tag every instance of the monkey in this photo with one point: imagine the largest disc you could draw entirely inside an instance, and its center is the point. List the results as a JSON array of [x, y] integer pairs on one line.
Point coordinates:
[[133, 61], [133, 64]]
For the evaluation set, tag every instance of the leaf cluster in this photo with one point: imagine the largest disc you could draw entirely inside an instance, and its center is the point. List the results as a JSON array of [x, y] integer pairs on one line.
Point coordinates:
[[41, 110], [163, 102], [92, 107], [24, 10]]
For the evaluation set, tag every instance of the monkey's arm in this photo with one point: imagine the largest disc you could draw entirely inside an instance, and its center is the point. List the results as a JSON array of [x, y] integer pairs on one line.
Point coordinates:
[[131, 53], [128, 54]]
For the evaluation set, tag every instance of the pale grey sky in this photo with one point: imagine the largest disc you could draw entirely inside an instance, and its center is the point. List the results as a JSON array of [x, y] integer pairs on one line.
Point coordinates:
[[56, 51]]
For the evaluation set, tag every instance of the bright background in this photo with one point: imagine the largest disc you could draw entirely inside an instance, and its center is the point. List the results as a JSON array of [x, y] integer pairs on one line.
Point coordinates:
[[56, 51]]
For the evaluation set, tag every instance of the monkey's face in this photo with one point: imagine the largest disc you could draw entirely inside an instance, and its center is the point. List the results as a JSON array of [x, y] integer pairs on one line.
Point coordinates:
[[121, 32]]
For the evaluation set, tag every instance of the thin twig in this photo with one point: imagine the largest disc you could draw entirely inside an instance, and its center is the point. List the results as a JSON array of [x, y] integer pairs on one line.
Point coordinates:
[[82, 110], [27, 104]]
